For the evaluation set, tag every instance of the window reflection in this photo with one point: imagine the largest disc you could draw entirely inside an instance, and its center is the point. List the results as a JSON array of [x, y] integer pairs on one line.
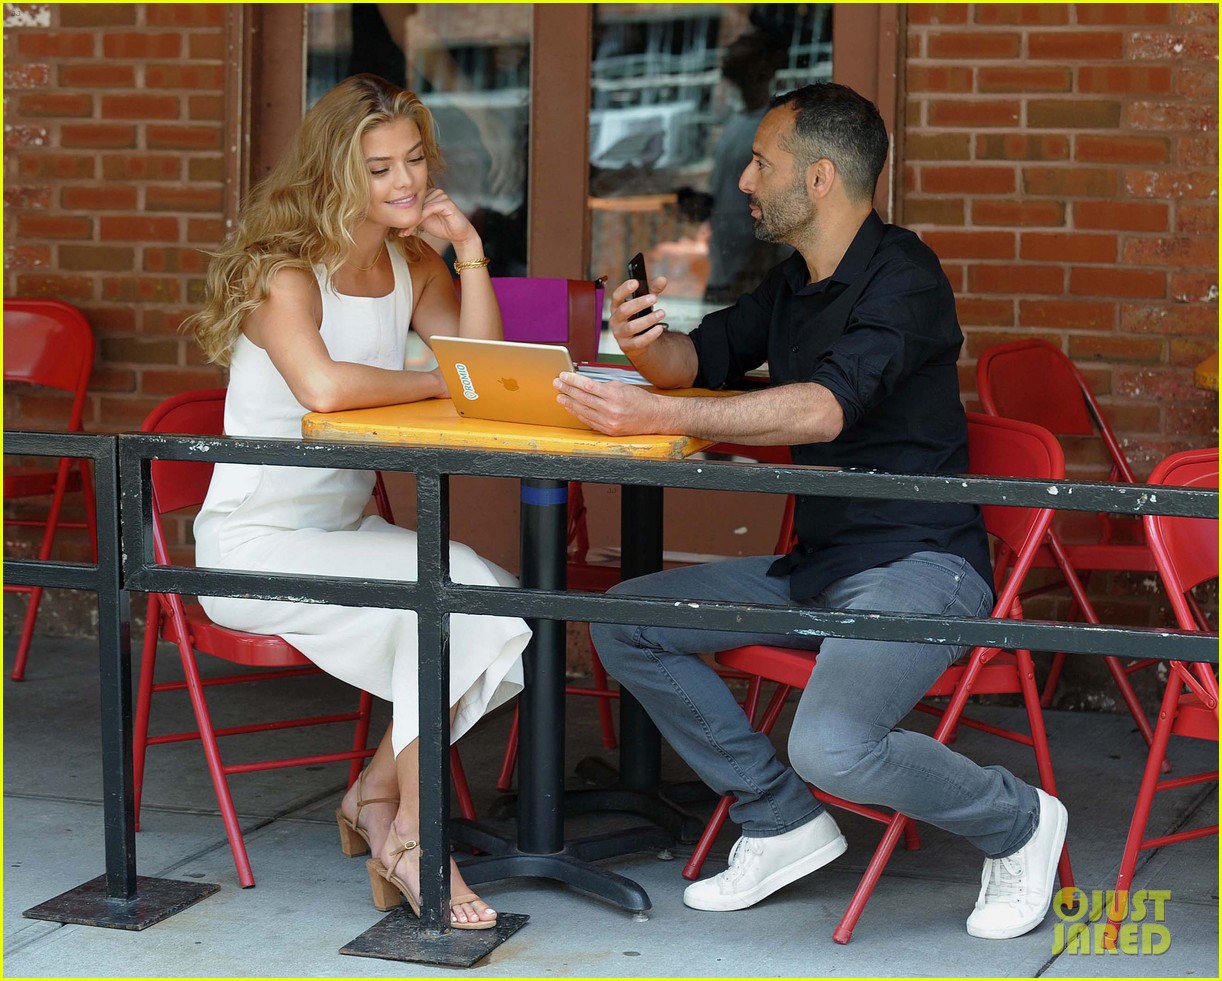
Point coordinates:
[[470, 64], [676, 93]]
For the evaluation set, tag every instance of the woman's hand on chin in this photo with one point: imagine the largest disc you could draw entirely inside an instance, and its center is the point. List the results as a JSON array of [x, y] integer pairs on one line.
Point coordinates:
[[441, 219]]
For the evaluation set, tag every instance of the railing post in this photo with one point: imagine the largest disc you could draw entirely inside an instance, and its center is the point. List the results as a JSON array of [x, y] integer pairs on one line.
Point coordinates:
[[433, 573], [114, 673], [118, 899]]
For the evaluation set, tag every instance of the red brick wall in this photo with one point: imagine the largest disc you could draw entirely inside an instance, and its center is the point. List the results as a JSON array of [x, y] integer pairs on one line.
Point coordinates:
[[1062, 161], [113, 182]]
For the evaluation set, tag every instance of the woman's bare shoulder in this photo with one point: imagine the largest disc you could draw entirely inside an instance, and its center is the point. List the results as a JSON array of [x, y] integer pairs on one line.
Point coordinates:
[[288, 282], [293, 298]]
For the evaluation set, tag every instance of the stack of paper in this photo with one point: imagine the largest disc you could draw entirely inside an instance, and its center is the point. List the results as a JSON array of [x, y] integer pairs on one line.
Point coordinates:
[[610, 372]]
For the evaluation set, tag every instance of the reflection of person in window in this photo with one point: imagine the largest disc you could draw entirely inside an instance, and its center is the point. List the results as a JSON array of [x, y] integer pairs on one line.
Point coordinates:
[[685, 260], [487, 175], [737, 261]]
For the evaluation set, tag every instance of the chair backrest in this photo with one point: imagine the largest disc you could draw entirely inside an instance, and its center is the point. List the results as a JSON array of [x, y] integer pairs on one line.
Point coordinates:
[[1035, 381], [1185, 549], [1000, 447], [179, 484], [49, 343], [543, 310]]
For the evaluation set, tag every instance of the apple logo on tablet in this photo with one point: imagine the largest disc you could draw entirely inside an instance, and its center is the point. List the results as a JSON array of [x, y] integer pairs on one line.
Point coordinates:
[[511, 384]]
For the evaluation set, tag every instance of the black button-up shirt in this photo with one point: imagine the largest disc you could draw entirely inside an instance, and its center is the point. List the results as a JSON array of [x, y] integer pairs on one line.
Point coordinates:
[[881, 334]]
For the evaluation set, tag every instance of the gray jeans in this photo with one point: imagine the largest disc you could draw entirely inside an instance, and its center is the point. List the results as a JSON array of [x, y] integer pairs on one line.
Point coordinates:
[[843, 739]]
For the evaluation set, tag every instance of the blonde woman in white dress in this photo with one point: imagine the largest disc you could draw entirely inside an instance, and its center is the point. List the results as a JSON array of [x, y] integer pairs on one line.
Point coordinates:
[[309, 304]]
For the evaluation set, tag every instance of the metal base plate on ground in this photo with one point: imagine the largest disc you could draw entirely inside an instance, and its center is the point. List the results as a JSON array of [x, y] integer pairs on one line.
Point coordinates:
[[400, 937], [90, 905]]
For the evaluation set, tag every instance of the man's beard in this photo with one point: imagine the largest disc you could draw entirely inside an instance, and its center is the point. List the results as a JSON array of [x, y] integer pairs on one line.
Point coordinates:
[[790, 210]]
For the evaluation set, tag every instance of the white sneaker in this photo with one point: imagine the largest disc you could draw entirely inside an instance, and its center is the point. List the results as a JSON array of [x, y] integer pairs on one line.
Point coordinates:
[[761, 866], [1016, 890]]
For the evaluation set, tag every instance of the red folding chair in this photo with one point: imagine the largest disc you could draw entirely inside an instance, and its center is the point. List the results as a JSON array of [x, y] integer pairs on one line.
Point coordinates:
[[999, 448], [178, 485], [1186, 552], [1034, 381], [48, 344]]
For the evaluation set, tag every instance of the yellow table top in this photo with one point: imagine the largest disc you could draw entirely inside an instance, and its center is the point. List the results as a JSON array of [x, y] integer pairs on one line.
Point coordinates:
[[433, 422], [1205, 375]]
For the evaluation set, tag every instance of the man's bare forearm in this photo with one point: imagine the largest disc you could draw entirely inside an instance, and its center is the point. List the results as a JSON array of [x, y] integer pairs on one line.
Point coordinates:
[[784, 416]]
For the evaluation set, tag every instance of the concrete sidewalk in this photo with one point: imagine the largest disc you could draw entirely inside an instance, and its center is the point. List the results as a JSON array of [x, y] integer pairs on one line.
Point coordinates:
[[310, 900]]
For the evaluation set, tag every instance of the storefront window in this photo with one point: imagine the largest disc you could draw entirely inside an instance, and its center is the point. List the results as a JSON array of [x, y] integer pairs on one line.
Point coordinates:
[[470, 64], [676, 93]]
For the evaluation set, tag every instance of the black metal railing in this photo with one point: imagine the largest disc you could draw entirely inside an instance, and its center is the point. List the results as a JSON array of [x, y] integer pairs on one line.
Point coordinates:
[[431, 465]]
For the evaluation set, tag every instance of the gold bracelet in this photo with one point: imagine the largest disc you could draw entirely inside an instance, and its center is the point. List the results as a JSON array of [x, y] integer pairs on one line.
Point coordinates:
[[472, 264]]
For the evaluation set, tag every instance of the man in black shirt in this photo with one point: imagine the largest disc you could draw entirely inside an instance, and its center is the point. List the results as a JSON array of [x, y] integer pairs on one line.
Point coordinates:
[[859, 331]]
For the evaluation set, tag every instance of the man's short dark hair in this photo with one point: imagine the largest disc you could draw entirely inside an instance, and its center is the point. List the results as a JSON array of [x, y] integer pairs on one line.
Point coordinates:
[[833, 121]]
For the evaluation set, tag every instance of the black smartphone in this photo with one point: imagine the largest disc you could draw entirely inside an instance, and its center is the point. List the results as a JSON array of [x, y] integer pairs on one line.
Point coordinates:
[[636, 270]]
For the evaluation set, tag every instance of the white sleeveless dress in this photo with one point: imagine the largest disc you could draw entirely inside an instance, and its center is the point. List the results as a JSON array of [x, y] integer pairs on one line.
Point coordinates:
[[312, 521]]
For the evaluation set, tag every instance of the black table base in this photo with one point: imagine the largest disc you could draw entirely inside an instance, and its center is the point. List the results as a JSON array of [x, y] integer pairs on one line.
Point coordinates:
[[400, 937], [540, 850], [661, 805], [637, 787], [570, 865], [90, 904]]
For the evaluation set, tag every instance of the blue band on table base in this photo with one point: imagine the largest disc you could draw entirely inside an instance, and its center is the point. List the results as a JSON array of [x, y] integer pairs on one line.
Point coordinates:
[[544, 496]]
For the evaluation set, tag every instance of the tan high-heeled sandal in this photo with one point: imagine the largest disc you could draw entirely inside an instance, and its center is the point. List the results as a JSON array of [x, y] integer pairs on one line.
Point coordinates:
[[353, 840], [388, 887]]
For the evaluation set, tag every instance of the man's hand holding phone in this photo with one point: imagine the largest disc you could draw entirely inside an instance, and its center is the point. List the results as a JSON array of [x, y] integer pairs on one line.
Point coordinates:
[[635, 323]]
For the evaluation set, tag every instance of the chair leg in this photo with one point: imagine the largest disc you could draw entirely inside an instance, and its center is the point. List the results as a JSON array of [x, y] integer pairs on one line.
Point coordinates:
[[1054, 676], [91, 509], [27, 633], [216, 770], [1130, 698], [466, 807], [882, 854], [711, 830], [1039, 743], [1082, 604], [44, 552], [144, 698], [504, 782], [1077, 589], [1145, 799], [360, 739]]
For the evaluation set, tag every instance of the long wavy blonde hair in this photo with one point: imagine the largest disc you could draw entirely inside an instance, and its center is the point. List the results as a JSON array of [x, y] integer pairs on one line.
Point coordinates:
[[305, 211]]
